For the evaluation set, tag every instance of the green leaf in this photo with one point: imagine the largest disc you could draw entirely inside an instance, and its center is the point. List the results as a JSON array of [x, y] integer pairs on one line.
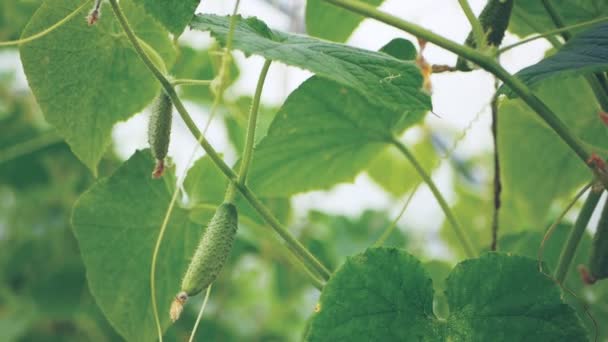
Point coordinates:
[[116, 223], [585, 53], [595, 297], [396, 174], [384, 80], [331, 22], [86, 79], [534, 174], [530, 17], [485, 298], [323, 129], [174, 15]]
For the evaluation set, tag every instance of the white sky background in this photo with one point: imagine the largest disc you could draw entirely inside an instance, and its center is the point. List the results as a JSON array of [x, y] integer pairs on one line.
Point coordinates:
[[457, 97]]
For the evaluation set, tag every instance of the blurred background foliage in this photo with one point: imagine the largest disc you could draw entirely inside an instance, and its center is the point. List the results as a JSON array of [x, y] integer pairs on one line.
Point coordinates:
[[260, 295]]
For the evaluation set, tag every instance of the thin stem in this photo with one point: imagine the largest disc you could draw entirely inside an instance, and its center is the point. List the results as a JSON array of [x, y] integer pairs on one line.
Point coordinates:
[[569, 249], [293, 244], [556, 18], [460, 234], [478, 33], [485, 62], [391, 228], [200, 314], [552, 33], [47, 30], [250, 134], [190, 82], [41, 141], [253, 120]]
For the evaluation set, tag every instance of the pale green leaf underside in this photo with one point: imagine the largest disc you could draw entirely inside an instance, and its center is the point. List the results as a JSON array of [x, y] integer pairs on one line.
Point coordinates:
[[537, 173], [323, 135], [86, 79], [384, 80], [173, 14], [530, 17], [331, 22], [116, 224], [386, 295]]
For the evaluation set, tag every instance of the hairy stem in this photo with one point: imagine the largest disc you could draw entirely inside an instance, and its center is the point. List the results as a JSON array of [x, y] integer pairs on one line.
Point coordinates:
[[293, 244], [569, 250], [460, 234]]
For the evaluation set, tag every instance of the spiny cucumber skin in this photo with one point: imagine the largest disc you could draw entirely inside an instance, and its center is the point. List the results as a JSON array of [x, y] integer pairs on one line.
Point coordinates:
[[598, 260], [213, 250], [159, 127], [494, 19]]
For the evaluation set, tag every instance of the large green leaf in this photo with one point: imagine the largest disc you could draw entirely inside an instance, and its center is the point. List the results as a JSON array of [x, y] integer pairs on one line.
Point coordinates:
[[86, 79], [384, 80], [323, 135], [386, 295], [116, 224], [537, 172], [585, 53], [595, 297], [174, 15], [531, 17], [330, 22]]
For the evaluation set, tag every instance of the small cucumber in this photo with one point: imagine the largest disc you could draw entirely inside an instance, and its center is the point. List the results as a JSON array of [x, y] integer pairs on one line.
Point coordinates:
[[494, 19], [210, 256], [159, 131]]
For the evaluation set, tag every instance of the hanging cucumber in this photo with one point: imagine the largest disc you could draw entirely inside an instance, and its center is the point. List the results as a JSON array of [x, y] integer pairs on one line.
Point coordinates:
[[210, 256], [494, 20], [159, 131]]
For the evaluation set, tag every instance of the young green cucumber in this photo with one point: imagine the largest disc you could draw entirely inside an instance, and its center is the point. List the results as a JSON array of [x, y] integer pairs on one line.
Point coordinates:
[[159, 131], [212, 252], [598, 259], [494, 19]]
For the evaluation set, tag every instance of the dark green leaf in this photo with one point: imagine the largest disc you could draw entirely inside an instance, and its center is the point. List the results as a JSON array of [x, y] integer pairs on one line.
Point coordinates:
[[117, 223], [323, 129], [384, 80], [86, 79], [331, 22], [585, 53], [386, 295]]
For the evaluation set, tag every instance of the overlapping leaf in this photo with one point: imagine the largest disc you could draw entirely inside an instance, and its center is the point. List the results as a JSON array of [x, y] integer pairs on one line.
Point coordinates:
[[383, 80], [585, 53], [86, 79], [116, 224], [386, 295]]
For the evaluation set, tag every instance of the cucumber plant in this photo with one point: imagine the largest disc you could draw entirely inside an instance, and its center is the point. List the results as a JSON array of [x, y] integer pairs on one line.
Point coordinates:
[[149, 244]]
